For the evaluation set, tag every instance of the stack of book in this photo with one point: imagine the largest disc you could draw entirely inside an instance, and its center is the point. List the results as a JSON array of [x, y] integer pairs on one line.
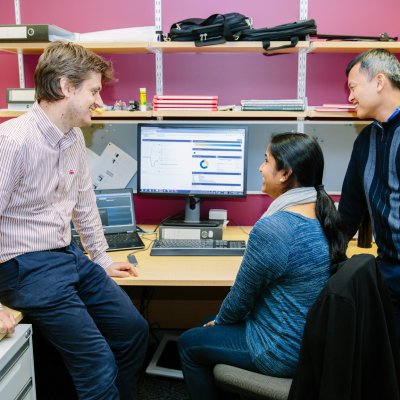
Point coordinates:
[[183, 102], [274, 105]]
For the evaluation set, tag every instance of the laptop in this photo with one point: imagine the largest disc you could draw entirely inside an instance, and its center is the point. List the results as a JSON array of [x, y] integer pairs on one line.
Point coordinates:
[[117, 215]]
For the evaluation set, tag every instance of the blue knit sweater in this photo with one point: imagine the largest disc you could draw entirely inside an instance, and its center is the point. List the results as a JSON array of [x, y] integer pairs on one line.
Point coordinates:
[[285, 266]]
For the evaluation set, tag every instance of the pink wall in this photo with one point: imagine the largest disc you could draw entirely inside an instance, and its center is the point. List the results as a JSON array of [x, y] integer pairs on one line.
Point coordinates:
[[242, 211], [231, 76], [8, 62]]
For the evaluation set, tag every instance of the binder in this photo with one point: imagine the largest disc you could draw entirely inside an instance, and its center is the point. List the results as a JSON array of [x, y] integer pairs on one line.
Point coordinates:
[[20, 95], [20, 99], [34, 33]]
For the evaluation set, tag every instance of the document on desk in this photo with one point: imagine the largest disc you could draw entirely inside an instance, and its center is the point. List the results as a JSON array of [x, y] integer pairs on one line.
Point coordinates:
[[113, 169]]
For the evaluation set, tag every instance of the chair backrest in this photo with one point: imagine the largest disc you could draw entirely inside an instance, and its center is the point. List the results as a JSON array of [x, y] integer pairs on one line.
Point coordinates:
[[349, 348]]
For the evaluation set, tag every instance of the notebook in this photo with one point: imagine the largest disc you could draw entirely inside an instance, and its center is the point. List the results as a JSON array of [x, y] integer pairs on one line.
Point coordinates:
[[117, 215]]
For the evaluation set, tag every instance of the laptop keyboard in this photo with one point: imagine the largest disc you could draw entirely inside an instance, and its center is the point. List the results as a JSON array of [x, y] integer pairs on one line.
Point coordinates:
[[119, 238], [117, 241]]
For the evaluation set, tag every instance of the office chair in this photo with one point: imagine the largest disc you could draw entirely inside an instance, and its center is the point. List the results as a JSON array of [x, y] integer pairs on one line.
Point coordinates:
[[251, 385], [349, 347]]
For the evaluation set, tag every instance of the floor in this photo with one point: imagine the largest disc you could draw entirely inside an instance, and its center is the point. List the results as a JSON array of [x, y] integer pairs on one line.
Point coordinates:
[[159, 388], [55, 382]]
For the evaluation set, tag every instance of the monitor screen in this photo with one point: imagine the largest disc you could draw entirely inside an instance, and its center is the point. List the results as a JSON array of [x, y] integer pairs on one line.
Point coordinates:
[[199, 160]]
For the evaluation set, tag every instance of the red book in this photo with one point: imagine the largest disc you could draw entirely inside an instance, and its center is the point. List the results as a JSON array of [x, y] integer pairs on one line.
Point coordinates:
[[186, 101], [348, 106], [185, 107], [183, 97]]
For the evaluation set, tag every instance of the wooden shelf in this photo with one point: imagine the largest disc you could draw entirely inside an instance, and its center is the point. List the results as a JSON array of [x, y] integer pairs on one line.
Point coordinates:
[[228, 47], [122, 114], [230, 114], [109, 115], [165, 47], [337, 46], [331, 46], [4, 113], [181, 114], [113, 47]]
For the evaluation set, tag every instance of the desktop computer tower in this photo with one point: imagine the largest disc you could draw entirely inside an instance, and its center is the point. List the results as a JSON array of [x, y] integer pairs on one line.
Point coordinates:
[[191, 231]]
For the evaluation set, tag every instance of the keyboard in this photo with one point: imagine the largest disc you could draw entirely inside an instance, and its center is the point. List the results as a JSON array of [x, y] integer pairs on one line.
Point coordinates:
[[198, 247], [118, 241]]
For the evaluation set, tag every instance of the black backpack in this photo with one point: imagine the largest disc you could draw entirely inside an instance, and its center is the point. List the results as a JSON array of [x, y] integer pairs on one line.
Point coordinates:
[[216, 29]]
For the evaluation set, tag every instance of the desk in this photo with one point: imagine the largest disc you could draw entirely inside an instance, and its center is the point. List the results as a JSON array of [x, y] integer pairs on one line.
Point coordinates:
[[195, 271], [17, 316], [172, 308], [184, 270]]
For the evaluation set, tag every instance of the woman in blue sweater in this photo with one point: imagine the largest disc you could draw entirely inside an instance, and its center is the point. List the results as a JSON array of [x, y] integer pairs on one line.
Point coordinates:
[[287, 262]]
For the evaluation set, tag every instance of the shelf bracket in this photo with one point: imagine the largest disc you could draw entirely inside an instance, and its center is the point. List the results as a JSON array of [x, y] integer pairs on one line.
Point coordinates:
[[302, 67], [300, 125], [158, 53], [301, 74], [302, 57], [21, 72], [303, 9]]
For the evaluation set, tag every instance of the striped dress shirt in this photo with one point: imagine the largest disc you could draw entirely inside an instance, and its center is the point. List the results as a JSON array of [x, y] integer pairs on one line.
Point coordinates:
[[44, 184]]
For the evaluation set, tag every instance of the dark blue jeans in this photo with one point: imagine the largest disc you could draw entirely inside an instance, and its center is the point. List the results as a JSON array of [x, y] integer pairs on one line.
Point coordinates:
[[202, 348], [87, 317]]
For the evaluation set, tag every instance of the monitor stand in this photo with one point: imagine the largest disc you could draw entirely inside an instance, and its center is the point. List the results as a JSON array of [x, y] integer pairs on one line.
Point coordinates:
[[192, 216]]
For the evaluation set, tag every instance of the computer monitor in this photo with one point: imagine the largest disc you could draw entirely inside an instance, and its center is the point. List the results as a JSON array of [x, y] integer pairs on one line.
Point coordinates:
[[192, 160]]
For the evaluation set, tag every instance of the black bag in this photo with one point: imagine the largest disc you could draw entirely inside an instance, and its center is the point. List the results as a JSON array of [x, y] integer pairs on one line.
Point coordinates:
[[383, 37], [215, 29], [292, 32]]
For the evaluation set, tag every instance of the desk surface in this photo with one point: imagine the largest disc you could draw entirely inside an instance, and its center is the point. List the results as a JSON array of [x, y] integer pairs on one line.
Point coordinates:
[[193, 271], [183, 270], [17, 316]]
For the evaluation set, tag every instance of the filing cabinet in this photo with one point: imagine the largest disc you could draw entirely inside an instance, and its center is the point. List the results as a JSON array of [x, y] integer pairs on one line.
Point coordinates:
[[17, 378]]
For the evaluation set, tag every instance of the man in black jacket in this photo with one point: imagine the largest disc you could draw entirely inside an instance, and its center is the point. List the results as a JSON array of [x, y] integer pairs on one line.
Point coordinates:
[[372, 179]]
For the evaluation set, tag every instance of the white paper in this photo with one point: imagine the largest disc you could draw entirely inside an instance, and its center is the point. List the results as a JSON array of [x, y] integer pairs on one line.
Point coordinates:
[[113, 169], [92, 159], [137, 34]]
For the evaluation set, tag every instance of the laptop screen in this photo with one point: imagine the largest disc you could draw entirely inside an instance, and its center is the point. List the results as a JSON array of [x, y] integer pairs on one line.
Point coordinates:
[[116, 210]]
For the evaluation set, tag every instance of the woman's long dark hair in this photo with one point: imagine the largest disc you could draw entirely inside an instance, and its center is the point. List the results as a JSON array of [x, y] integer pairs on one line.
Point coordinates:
[[303, 155]]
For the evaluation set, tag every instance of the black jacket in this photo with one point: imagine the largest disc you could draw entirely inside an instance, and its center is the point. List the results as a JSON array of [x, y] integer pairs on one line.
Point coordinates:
[[349, 348]]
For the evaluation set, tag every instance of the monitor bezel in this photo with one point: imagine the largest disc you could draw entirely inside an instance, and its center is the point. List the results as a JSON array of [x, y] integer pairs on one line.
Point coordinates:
[[193, 125]]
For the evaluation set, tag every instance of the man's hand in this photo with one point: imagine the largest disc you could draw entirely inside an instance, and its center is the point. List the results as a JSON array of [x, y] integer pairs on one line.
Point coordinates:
[[7, 322], [121, 269]]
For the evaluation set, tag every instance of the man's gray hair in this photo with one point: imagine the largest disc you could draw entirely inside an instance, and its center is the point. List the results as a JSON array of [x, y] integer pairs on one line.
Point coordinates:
[[377, 61]]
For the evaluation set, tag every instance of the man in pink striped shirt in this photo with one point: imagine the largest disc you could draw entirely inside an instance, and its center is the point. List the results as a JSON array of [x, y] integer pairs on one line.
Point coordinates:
[[44, 184]]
